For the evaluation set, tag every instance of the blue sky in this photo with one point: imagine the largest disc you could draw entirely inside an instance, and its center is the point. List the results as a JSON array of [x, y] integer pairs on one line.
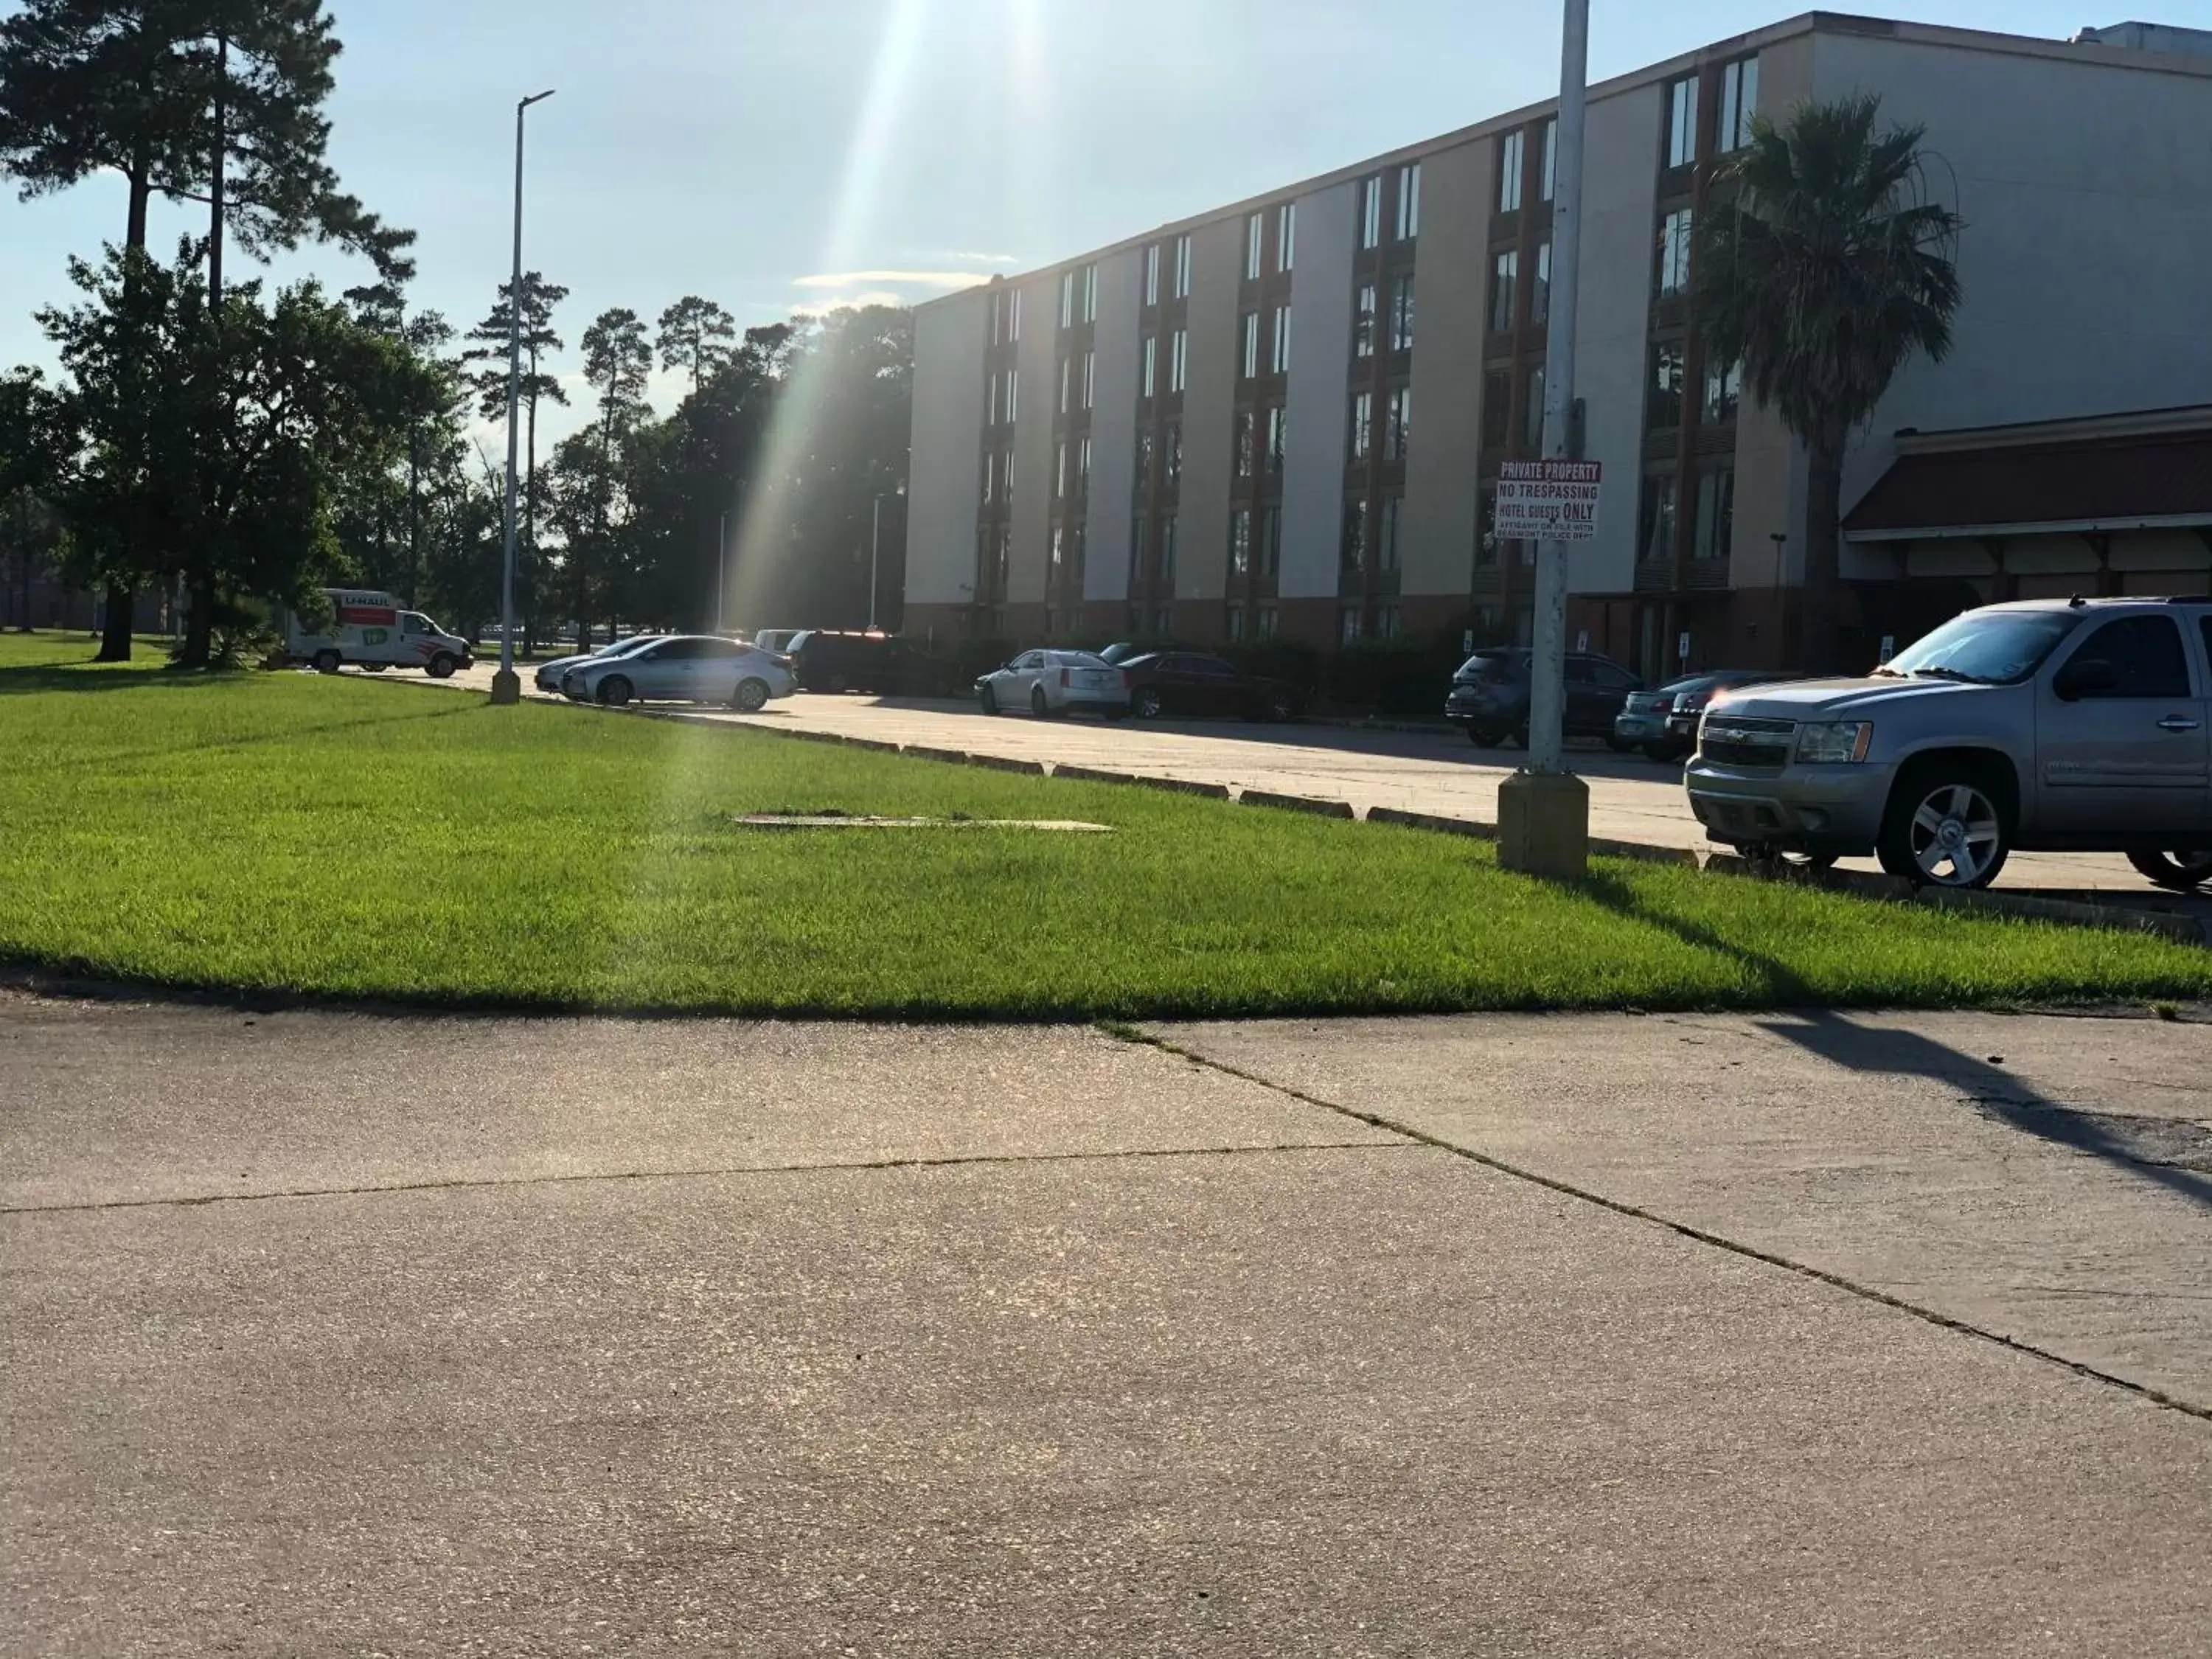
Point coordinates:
[[779, 153]]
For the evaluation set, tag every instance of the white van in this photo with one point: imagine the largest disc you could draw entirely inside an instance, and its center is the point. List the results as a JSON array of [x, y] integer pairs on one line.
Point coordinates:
[[378, 632]]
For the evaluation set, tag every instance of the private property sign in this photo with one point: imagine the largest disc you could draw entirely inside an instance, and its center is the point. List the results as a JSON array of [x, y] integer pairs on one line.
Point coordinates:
[[1548, 500]]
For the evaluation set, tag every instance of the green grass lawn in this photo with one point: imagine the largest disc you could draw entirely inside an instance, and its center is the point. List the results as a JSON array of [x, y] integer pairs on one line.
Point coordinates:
[[293, 834]]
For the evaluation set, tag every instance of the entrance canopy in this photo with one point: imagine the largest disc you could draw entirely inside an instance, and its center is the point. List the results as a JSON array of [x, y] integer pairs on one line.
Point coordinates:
[[2104, 475]]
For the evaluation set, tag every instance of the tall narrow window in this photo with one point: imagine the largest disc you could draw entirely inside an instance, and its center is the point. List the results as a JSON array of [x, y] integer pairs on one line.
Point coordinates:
[[1486, 525], [1144, 461], [1174, 452], [1240, 541], [1090, 294], [1716, 514], [1665, 384], [1271, 539], [1512, 159], [1504, 276], [1014, 314], [1066, 384], [1551, 164], [1724, 391], [1168, 555], [1059, 553], [1398, 431], [1255, 230], [1540, 293], [1655, 525], [1387, 550], [1179, 360], [1266, 621], [1362, 424], [1236, 624], [1362, 322], [1060, 475], [1240, 443], [1068, 286], [1182, 267], [1286, 234], [1674, 252], [1347, 625], [995, 414], [990, 477], [1090, 378], [1083, 465], [1739, 103], [1251, 361], [1148, 379], [1152, 274], [1401, 314], [1370, 211], [1354, 551], [1683, 121], [1278, 433], [1278, 362], [1014, 384], [1409, 201]]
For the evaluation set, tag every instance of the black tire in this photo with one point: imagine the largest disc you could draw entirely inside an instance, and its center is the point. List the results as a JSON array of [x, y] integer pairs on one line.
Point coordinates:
[[1145, 703], [1039, 705], [1664, 753], [615, 691], [1484, 739], [1949, 823], [832, 686], [2181, 872], [752, 696], [327, 661], [442, 666], [1619, 745], [1282, 709], [988, 700]]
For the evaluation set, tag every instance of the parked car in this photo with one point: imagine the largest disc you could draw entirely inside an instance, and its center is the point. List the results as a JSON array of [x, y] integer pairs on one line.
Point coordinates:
[[1663, 724], [684, 668], [1490, 696], [777, 640], [1056, 682], [2056, 726], [550, 674], [881, 665], [1191, 682]]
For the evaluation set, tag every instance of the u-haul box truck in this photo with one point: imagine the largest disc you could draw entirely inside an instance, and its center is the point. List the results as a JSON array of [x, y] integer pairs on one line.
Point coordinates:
[[378, 632]]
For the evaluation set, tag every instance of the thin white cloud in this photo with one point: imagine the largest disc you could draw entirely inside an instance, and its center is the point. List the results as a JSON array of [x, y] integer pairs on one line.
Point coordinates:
[[945, 279], [967, 258], [881, 296]]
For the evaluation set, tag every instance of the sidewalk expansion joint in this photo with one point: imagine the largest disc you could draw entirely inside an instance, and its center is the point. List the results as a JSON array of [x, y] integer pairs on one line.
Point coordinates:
[[950, 1162], [1686, 1229]]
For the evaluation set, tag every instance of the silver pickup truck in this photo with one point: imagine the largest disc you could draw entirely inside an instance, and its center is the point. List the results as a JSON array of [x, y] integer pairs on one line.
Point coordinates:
[[2060, 725]]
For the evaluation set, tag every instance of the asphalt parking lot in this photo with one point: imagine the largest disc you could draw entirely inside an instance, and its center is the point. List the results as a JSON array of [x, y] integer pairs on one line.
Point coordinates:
[[1632, 798]]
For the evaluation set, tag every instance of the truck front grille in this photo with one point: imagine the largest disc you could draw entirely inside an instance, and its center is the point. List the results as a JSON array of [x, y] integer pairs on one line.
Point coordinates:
[[1745, 740]]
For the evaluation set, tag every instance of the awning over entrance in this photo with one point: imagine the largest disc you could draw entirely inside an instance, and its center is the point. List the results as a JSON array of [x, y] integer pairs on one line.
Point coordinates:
[[2101, 475]]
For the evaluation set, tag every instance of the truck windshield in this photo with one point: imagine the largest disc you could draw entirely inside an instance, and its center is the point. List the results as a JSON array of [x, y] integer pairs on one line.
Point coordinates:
[[1987, 647]]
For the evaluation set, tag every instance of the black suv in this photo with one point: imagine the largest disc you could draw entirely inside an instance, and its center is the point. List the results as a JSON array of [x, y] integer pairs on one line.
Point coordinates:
[[1490, 696], [880, 664]]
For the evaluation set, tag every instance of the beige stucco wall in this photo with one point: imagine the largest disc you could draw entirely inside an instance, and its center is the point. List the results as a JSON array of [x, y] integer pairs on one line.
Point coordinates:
[[945, 469], [1450, 273], [1316, 402], [1209, 404], [1037, 358]]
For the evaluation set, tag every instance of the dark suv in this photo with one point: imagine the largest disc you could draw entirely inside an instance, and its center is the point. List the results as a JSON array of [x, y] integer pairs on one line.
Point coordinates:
[[878, 664], [1490, 696]]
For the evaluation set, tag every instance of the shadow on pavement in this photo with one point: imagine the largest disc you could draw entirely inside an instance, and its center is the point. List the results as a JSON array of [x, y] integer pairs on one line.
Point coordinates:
[[2174, 1154]]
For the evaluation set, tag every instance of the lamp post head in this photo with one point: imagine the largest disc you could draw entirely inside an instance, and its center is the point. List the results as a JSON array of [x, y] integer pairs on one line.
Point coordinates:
[[536, 98]]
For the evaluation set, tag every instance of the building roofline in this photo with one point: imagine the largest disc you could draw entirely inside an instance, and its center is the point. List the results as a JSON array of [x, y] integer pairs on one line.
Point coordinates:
[[2094, 54], [2181, 420]]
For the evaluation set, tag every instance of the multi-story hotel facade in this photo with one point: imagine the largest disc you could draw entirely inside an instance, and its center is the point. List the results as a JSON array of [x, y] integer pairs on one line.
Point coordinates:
[[1282, 417]]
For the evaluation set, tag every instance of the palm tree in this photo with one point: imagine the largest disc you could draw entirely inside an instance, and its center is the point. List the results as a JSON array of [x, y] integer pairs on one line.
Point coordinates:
[[1822, 274]]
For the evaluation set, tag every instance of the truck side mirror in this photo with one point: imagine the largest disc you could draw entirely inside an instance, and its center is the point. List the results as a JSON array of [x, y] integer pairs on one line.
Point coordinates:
[[2085, 676]]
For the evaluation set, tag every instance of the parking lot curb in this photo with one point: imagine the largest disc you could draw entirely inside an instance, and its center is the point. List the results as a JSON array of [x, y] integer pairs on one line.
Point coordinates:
[[923, 751], [1183, 787], [2183, 929], [1318, 808], [1604, 846], [877, 745], [1435, 821], [1008, 764], [1091, 774]]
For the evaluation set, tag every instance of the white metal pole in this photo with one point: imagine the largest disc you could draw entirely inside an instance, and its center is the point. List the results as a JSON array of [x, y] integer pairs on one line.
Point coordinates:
[[1547, 677], [505, 687], [875, 551], [722, 575]]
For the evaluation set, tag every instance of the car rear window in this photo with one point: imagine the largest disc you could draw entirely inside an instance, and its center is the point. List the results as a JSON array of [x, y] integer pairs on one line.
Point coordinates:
[[1492, 670]]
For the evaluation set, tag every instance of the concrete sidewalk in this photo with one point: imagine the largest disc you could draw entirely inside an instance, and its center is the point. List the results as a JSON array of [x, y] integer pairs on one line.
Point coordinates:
[[335, 1334]]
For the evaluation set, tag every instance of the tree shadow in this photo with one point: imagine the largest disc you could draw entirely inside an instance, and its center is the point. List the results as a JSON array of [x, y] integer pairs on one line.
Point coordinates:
[[86, 676], [103, 760], [1776, 978]]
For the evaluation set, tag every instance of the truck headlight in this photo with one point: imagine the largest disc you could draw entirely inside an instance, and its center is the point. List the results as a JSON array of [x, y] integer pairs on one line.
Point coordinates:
[[1831, 743]]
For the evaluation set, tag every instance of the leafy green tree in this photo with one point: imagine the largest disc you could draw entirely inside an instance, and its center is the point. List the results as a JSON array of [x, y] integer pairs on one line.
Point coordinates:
[[696, 337], [489, 384], [212, 102], [1823, 269], [33, 460]]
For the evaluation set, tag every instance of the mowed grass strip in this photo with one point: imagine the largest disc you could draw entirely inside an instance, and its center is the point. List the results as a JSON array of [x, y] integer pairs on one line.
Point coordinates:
[[290, 834]]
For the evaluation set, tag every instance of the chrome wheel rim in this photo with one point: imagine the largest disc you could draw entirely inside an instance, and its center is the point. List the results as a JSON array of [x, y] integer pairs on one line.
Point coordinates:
[[1956, 835]]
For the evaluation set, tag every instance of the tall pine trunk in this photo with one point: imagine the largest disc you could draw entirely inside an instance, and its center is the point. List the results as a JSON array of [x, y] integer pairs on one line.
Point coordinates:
[[199, 622], [122, 596], [1824, 512]]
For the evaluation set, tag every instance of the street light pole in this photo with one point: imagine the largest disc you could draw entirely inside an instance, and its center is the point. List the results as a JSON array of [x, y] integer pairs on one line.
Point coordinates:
[[1543, 811], [505, 687], [875, 553], [722, 575]]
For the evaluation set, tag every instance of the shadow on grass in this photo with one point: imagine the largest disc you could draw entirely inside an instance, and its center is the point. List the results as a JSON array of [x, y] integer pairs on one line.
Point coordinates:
[[1777, 982], [101, 760], [2149, 1148], [88, 676]]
